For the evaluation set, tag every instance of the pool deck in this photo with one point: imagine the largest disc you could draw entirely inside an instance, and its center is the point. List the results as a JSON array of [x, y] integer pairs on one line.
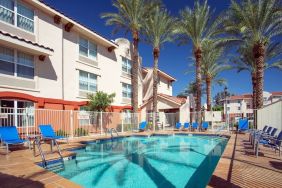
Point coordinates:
[[238, 167]]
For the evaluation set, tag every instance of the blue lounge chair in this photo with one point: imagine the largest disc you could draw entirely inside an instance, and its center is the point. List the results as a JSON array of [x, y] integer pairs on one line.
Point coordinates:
[[264, 129], [178, 126], [273, 142], [186, 126], [268, 130], [9, 135], [243, 125], [48, 133], [195, 125], [142, 126], [205, 125]]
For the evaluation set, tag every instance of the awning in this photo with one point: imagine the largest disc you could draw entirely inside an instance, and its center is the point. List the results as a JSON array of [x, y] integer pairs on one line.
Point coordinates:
[[16, 42]]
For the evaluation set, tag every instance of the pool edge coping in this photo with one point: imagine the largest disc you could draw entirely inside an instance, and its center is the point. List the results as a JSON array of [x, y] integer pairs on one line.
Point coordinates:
[[138, 135]]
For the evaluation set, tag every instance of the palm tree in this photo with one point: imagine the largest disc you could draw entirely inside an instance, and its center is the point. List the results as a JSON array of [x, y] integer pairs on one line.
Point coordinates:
[[130, 17], [260, 22], [198, 25], [213, 64], [159, 28], [246, 62]]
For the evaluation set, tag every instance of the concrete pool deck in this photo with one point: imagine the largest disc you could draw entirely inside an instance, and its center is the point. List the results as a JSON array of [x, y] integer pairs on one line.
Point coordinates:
[[238, 167]]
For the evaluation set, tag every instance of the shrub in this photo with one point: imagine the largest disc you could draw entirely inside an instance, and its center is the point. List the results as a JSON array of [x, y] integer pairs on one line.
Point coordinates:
[[80, 132], [61, 132]]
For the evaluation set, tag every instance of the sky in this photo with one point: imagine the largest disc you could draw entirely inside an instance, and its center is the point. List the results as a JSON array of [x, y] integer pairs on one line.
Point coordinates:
[[174, 59]]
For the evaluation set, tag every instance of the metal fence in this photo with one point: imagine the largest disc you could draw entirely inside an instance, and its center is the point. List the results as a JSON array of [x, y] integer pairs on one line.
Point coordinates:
[[72, 124]]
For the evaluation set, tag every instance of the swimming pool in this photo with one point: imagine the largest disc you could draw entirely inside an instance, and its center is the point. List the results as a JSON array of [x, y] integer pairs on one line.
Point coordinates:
[[157, 161]]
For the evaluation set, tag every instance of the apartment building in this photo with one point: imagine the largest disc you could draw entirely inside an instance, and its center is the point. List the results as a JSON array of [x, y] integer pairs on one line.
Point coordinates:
[[50, 61], [242, 105]]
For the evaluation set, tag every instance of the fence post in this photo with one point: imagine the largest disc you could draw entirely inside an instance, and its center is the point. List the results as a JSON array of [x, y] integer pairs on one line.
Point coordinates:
[[71, 124], [26, 123], [101, 122], [122, 117], [154, 121]]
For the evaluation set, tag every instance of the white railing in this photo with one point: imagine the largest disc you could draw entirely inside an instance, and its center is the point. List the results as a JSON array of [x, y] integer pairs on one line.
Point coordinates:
[[72, 124]]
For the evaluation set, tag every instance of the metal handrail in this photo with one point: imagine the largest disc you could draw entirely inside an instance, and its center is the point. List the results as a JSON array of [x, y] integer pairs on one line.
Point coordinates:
[[38, 144], [113, 130]]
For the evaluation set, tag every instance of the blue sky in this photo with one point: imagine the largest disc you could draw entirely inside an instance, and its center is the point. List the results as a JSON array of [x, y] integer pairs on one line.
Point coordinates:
[[174, 59]]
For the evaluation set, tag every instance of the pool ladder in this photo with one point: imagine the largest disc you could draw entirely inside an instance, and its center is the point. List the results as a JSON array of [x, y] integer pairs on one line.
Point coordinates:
[[37, 142], [113, 130]]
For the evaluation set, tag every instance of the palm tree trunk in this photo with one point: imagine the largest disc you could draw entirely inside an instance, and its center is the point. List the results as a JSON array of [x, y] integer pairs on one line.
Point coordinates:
[[259, 53], [254, 83], [155, 78], [156, 53], [208, 89], [198, 57], [135, 69]]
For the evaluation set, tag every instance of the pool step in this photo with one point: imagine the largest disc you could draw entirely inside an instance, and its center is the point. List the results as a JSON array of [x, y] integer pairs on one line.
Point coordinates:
[[56, 167]]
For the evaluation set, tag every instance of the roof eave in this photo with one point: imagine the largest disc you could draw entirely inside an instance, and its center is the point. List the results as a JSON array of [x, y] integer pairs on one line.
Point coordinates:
[[24, 46], [102, 40]]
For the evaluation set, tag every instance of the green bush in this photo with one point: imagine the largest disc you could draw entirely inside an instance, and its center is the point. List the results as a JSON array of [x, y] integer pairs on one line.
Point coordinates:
[[60, 132], [80, 132]]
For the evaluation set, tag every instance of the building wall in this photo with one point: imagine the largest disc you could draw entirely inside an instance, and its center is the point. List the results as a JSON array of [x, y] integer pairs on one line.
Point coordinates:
[[270, 115], [165, 86], [239, 106], [57, 77]]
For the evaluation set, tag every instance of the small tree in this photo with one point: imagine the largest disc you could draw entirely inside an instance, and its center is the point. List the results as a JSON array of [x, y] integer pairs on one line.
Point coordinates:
[[100, 101]]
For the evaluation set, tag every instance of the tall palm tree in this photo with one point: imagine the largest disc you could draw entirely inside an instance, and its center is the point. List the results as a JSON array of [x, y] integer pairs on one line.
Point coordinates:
[[213, 63], [130, 17], [260, 22], [198, 25], [159, 29], [246, 62]]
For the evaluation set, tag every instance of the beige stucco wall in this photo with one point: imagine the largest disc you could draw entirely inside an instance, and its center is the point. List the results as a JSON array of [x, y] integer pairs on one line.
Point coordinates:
[[163, 86], [270, 115], [58, 76]]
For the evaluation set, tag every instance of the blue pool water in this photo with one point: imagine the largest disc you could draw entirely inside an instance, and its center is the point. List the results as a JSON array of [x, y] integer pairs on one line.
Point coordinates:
[[158, 161]]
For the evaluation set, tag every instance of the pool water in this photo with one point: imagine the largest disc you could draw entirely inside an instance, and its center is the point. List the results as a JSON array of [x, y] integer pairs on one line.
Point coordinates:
[[158, 161]]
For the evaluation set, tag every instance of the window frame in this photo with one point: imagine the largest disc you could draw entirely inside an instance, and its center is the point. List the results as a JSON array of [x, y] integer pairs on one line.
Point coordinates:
[[88, 48], [16, 64], [127, 93], [88, 82], [16, 14], [127, 63]]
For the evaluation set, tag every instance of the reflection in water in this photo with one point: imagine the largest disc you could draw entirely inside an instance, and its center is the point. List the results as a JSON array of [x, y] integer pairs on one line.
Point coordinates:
[[145, 162]]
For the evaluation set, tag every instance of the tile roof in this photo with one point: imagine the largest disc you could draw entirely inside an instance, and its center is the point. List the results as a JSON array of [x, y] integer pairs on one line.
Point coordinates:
[[55, 9], [179, 100], [277, 93], [238, 97], [145, 69], [24, 40]]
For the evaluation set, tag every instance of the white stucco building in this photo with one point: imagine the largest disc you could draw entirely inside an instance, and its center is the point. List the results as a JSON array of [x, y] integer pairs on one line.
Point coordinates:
[[242, 105], [48, 60]]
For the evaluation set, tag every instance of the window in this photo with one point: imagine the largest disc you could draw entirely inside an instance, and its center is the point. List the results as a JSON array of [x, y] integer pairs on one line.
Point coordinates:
[[16, 112], [87, 48], [87, 81], [239, 108], [15, 13], [16, 63], [168, 84], [126, 65], [126, 90]]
